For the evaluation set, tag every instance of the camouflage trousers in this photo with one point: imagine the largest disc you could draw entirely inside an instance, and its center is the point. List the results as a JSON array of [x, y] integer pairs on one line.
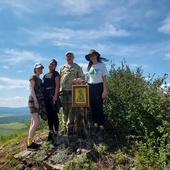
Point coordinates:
[[68, 111]]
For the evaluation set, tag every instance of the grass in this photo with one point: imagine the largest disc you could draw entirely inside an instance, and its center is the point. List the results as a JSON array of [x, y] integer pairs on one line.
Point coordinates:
[[11, 128], [15, 130]]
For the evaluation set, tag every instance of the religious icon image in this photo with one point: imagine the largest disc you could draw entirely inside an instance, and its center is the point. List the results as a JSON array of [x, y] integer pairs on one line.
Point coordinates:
[[80, 96]]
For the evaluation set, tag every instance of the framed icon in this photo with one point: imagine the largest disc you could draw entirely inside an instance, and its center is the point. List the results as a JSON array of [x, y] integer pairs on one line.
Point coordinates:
[[80, 95]]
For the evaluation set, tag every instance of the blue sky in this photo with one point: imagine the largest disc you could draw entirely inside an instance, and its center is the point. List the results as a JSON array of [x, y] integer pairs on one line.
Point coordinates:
[[37, 31]]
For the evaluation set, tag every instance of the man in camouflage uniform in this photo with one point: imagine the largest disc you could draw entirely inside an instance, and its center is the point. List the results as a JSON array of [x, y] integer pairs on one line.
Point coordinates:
[[68, 72]]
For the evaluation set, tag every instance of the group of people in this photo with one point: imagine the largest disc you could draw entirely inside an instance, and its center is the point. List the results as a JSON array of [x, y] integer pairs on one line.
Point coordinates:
[[44, 95]]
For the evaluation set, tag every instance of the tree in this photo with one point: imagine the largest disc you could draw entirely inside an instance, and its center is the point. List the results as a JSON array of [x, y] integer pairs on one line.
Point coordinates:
[[136, 106]]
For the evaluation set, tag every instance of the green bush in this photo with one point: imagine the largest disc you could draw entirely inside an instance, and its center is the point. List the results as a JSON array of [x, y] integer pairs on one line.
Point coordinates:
[[138, 109], [136, 105]]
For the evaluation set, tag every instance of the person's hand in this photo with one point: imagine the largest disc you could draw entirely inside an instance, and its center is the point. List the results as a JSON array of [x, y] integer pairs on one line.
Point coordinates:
[[54, 99], [36, 104], [84, 81], [74, 81], [104, 94]]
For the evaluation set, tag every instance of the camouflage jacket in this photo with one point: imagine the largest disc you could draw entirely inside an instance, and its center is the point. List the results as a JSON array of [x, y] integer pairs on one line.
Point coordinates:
[[67, 74]]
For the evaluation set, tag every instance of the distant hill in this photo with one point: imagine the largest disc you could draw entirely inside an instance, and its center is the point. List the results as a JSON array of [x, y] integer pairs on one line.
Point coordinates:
[[19, 118], [8, 111], [8, 114]]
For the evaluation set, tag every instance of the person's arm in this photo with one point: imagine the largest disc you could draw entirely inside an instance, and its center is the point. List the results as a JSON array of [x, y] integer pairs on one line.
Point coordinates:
[[104, 94], [57, 86]]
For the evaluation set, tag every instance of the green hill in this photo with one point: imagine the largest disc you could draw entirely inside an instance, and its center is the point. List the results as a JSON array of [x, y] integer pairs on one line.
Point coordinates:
[[8, 111], [13, 120]]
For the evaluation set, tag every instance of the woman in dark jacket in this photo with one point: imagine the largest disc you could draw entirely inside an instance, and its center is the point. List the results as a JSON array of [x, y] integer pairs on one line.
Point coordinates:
[[51, 82]]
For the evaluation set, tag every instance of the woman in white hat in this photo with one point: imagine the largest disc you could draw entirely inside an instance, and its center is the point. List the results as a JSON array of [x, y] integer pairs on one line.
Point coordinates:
[[36, 94]]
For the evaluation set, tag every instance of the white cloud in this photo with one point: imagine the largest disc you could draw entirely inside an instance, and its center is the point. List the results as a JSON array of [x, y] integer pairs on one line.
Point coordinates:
[[7, 83], [13, 56], [64, 7], [151, 14], [76, 6], [6, 67], [165, 28], [133, 2], [167, 57], [60, 43], [16, 101], [84, 66], [21, 7], [81, 7], [21, 71], [60, 36], [16, 6], [165, 87], [134, 66]]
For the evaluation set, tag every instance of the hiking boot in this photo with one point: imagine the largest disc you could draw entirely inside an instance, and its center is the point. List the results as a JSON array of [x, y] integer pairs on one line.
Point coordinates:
[[50, 136], [100, 132], [70, 132], [56, 139], [33, 146], [94, 131]]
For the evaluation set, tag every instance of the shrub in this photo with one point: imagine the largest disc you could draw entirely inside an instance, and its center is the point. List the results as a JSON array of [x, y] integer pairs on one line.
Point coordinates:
[[135, 105], [138, 109]]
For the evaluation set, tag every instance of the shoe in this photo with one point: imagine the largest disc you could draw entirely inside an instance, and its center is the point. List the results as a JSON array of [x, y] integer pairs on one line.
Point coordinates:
[[70, 132], [95, 130], [100, 132], [33, 146], [56, 139], [50, 136]]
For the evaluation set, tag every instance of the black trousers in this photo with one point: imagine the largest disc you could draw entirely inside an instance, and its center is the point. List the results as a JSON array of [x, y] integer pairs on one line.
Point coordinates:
[[53, 120], [96, 103]]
